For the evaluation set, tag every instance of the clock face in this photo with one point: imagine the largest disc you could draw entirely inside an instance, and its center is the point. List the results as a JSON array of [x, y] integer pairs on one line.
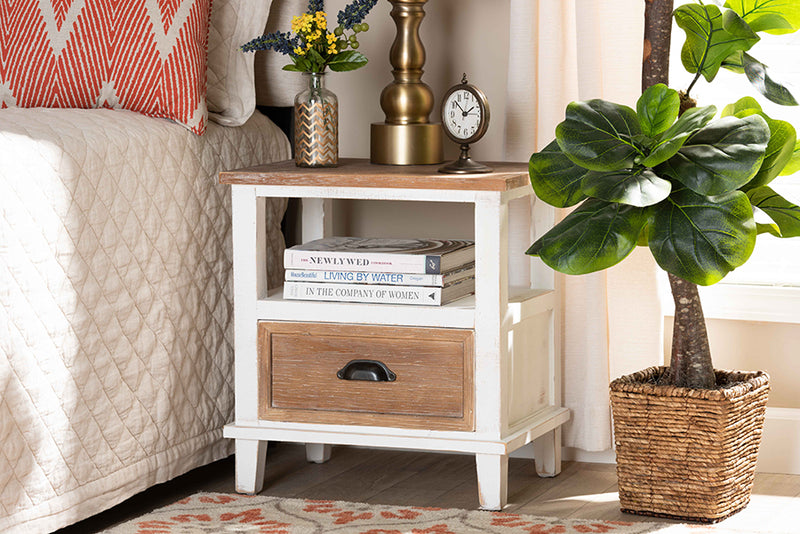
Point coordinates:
[[463, 115]]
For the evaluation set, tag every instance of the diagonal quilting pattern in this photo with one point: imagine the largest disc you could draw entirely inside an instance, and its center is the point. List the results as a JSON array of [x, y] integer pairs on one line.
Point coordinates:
[[115, 304]]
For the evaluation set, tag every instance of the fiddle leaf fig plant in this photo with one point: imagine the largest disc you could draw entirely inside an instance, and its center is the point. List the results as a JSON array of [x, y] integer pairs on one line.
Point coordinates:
[[722, 37], [649, 177], [673, 177]]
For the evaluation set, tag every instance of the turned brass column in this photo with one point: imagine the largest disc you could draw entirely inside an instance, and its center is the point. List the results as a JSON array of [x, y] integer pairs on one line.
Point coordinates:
[[406, 137]]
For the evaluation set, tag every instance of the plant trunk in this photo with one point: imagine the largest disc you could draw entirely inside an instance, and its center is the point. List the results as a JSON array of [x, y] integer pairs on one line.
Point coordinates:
[[690, 363], [657, 34]]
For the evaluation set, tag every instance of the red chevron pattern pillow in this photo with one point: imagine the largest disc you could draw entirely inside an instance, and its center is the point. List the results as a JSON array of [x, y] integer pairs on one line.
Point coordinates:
[[147, 56]]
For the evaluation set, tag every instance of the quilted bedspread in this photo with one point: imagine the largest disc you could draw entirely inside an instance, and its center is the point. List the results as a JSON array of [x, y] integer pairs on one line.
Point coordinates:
[[115, 304]]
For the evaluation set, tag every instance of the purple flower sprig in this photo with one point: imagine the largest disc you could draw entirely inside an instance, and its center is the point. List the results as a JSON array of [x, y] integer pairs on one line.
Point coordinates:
[[313, 46], [354, 13], [282, 43], [315, 5]]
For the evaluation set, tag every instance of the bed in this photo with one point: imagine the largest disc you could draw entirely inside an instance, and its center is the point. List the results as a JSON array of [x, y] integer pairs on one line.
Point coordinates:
[[115, 295]]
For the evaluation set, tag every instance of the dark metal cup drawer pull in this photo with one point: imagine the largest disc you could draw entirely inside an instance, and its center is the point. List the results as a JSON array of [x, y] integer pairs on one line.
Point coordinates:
[[369, 370]]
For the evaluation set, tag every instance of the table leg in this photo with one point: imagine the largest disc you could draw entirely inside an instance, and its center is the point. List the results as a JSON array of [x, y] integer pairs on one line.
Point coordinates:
[[251, 459], [547, 453], [318, 453], [492, 480]]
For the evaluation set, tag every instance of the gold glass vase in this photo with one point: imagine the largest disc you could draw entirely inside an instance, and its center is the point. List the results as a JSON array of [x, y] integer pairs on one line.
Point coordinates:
[[316, 124]]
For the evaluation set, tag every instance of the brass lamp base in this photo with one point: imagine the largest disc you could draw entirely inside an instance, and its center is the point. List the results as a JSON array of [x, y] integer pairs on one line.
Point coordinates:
[[406, 144]]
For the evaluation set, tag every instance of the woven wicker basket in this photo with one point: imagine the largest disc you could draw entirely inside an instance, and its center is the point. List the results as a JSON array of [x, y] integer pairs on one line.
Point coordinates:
[[685, 453]]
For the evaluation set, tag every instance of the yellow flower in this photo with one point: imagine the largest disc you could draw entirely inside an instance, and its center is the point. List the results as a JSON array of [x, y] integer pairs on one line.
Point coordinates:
[[331, 39], [332, 50], [321, 19], [301, 23], [300, 51]]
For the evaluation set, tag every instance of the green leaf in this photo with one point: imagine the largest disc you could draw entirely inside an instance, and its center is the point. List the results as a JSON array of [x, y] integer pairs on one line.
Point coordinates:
[[347, 60], [781, 145], [786, 214], [636, 187], [756, 72], [669, 142], [793, 165], [702, 239], [555, 179], [720, 157], [772, 228], [301, 64], [314, 57], [734, 62], [744, 106], [657, 109], [771, 16], [711, 37], [782, 142], [598, 135], [594, 237]]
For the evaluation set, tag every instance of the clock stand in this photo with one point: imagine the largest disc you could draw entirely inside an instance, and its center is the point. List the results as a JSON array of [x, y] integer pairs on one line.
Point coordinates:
[[465, 164]]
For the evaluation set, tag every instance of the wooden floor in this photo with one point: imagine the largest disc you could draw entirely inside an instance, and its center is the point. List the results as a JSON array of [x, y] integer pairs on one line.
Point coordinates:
[[582, 490]]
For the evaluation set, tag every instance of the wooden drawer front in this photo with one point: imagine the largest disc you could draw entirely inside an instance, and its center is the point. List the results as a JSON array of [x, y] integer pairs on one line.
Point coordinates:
[[433, 367]]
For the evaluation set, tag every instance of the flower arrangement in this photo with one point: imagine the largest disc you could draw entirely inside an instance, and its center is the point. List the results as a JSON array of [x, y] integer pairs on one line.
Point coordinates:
[[312, 47]]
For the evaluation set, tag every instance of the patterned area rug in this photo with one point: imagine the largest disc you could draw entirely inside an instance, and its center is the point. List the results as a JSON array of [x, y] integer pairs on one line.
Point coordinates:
[[207, 513]]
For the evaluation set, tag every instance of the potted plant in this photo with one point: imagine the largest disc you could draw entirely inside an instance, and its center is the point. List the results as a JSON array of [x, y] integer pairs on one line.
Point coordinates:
[[671, 177], [313, 47]]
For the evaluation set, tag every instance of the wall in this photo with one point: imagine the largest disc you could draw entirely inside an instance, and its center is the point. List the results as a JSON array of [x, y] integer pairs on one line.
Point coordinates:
[[459, 36]]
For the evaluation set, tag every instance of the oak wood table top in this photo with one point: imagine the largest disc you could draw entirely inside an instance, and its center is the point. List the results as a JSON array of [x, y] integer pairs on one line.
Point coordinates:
[[353, 172]]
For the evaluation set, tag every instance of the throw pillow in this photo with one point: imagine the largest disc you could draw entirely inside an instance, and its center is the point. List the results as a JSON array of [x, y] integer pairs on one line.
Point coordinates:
[[231, 88], [147, 56]]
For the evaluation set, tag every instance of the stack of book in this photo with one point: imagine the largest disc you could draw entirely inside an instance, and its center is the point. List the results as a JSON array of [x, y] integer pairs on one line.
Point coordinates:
[[380, 270]]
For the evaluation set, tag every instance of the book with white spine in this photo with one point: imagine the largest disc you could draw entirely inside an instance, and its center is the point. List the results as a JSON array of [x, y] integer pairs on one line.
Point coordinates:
[[385, 255], [378, 294], [398, 279]]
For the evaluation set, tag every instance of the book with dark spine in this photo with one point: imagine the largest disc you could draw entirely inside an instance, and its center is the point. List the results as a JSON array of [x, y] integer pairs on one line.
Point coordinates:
[[381, 255]]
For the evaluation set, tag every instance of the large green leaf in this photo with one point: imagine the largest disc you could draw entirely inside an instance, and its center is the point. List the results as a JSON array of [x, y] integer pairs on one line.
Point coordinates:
[[757, 73], [720, 157], [594, 237], [711, 37], [347, 60], [786, 214], [598, 135], [555, 178], [780, 149], [782, 141], [701, 239], [657, 109], [747, 105], [793, 165], [639, 186], [669, 142], [771, 16]]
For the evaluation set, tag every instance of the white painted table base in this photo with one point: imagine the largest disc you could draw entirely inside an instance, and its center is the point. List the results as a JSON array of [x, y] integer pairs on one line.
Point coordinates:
[[517, 369]]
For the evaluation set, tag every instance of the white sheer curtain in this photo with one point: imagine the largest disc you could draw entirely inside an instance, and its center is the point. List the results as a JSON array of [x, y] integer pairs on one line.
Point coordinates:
[[560, 51]]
